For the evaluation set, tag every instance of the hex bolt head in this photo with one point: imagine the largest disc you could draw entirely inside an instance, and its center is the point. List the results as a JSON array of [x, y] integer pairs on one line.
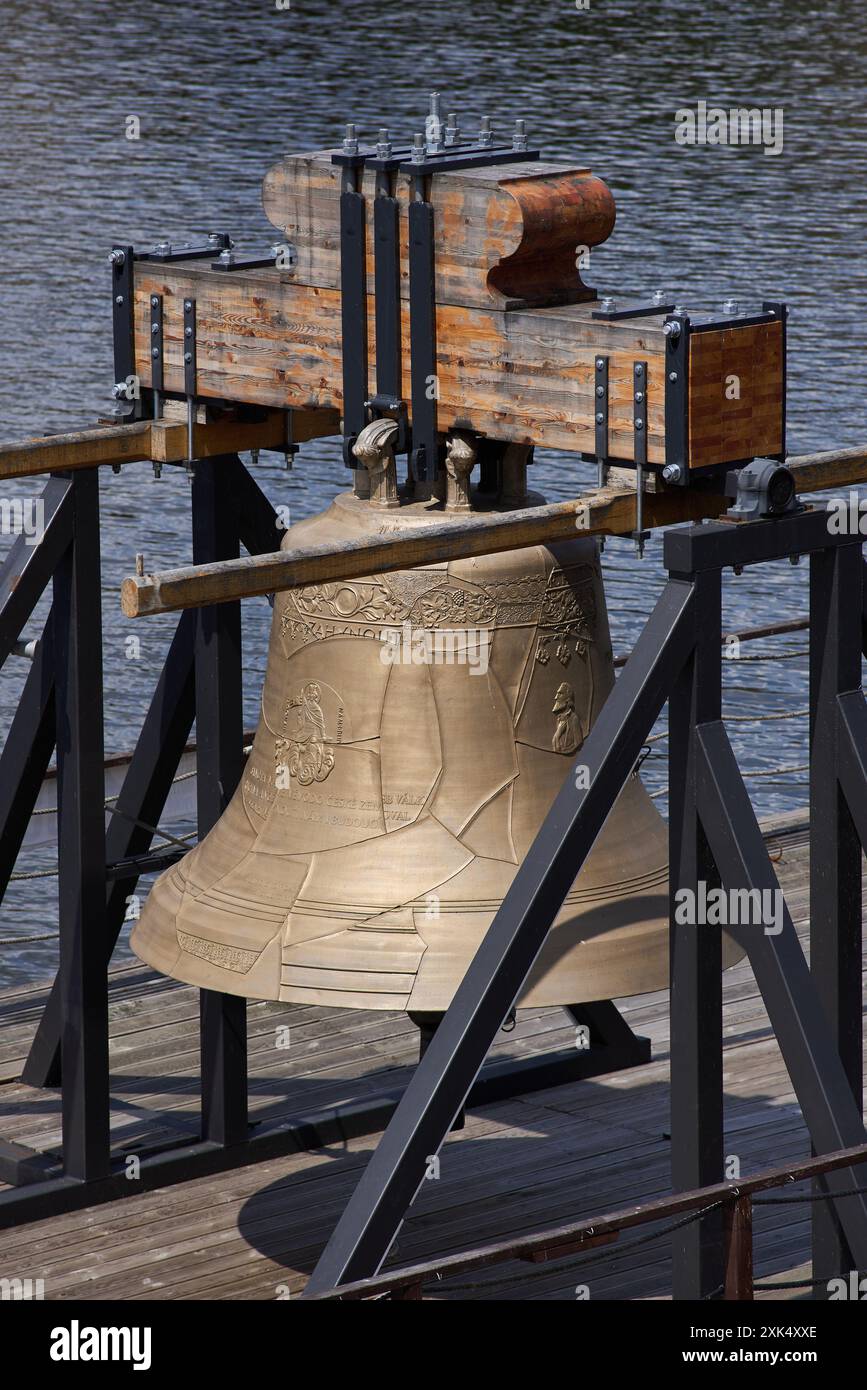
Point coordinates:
[[608, 303], [350, 140], [117, 257], [659, 297], [486, 131], [731, 306], [383, 144], [418, 149], [672, 473]]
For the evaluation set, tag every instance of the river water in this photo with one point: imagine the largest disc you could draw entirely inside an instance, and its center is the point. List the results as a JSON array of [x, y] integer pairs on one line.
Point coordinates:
[[222, 90]]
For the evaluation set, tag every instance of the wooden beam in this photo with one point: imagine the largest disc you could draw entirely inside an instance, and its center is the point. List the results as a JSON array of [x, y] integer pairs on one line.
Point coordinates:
[[79, 449], [165, 441], [609, 512]]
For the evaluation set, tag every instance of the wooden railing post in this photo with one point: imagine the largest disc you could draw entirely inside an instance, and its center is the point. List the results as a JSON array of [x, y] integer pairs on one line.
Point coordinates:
[[738, 1248]]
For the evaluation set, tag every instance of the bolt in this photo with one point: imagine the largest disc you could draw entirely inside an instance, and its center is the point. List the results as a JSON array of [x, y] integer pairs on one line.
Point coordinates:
[[600, 390], [139, 565], [672, 473], [155, 328], [519, 137], [188, 357], [600, 363], [118, 390], [680, 308], [600, 418], [639, 368], [188, 304], [350, 140], [254, 456], [731, 306], [452, 129], [155, 352], [672, 376], [118, 299], [418, 149], [117, 257], [486, 131], [226, 256], [639, 396], [383, 145], [672, 330], [215, 239], [639, 424], [659, 297], [608, 304], [434, 103], [188, 332], [163, 248]]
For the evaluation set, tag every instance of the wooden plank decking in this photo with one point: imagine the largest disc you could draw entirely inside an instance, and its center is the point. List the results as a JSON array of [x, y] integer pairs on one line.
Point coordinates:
[[520, 1165]]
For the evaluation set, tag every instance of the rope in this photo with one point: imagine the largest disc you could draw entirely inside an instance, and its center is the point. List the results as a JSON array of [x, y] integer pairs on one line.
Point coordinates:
[[809, 1197], [793, 1284], [26, 940], [622, 1248], [52, 873]]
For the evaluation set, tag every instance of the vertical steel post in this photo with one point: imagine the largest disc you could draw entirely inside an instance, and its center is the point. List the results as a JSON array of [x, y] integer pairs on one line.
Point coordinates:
[[835, 848], [219, 738], [696, 958], [81, 839]]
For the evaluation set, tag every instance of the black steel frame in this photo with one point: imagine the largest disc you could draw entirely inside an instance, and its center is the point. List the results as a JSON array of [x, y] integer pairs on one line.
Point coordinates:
[[715, 837]]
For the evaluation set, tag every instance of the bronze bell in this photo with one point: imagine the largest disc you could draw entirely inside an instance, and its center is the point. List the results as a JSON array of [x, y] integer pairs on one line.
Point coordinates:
[[415, 729]]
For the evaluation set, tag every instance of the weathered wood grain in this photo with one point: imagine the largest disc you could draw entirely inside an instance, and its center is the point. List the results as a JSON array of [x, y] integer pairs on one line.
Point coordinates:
[[526, 376], [164, 441], [507, 234], [735, 393]]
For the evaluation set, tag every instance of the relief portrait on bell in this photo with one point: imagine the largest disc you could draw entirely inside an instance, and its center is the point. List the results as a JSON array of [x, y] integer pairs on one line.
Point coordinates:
[[305, 751]]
